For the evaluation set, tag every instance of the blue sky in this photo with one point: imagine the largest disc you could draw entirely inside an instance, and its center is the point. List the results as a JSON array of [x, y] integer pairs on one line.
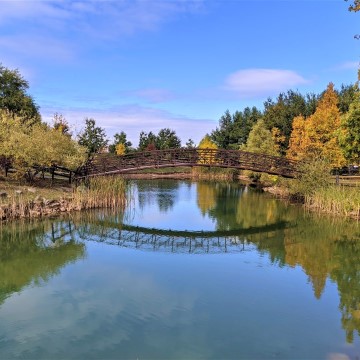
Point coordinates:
[[145, 65]]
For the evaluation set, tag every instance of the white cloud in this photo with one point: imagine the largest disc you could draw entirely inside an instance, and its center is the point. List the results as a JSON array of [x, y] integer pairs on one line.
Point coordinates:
[[132, 119], [251, 83]]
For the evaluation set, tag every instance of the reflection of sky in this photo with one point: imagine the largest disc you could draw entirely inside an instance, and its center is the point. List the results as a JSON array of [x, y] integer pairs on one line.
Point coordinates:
[[184, 215], [120, 303]]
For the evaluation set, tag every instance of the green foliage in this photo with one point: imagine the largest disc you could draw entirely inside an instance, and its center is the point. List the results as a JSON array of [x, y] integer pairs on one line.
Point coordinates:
[[346, 96], [93, 137], [315, 175], [165, 139], [120, 139], [234, 129], [14, 97], [190, 144], [36, 145], [146, 139], [349, 136], [261, 141]]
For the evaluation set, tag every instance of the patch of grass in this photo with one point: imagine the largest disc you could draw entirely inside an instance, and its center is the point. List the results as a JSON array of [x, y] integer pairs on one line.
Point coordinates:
[[336, 200]]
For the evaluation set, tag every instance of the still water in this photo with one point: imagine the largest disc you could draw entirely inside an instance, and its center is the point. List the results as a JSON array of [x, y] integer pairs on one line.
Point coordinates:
[[187, 271]]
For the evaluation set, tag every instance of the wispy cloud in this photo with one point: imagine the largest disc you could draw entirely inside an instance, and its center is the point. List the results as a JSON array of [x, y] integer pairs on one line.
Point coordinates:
[[153, 95], [347, 65], [133, 119], [252, 83], [49, 28]]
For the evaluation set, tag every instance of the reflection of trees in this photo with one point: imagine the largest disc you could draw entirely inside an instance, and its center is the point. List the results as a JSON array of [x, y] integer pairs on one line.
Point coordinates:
[[323, 247], [233, 206], [161, 192], [206, 199], [34, 252], [347, 277], [326, 248]]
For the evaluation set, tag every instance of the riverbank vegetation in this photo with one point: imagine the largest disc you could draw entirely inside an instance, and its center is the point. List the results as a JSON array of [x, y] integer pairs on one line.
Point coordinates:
[[18, 201]]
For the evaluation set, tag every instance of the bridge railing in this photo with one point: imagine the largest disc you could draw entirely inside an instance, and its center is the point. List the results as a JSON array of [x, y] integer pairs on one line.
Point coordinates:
[[110, 163]]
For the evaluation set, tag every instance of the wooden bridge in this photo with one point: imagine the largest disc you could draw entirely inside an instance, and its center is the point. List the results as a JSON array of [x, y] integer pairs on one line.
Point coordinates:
[[110, 164]]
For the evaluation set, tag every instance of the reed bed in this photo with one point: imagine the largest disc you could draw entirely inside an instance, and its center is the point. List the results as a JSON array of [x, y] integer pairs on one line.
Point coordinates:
[[101, 192], [336, 200]]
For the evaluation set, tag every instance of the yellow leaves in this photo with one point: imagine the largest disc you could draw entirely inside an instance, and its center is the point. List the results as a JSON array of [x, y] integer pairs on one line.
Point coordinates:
[[317, 135], [120, 149], [207, 143]]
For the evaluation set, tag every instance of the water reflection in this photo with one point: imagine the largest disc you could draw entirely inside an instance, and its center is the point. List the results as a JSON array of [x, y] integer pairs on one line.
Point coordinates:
[[31, 253], [260, 258]]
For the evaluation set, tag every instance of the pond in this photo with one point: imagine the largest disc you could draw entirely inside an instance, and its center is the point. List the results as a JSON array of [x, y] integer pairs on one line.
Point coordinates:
[[188, 270]]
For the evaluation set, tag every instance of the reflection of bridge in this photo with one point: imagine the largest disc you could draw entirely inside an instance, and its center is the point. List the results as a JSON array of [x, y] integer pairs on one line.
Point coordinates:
[[196, 242], [107, 164]]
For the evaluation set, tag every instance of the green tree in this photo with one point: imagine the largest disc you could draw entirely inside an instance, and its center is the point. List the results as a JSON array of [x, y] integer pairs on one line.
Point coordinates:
[[120, 139], [167, 139], [14, 97], [346, 96], [234, 129], [349, 137], [190, 144], [92, 137], [146, 140], [261, 140]]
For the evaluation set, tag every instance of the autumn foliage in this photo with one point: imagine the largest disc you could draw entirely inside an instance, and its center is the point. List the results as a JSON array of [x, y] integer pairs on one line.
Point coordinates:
[[318, 135]]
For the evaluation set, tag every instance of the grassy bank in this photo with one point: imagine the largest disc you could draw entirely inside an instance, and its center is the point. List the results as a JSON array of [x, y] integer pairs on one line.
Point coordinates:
[[20, 201], [336, 200]]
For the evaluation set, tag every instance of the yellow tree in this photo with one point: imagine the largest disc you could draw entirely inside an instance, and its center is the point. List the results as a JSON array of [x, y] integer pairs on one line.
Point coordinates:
[[297, 139], [120, 149], [317, 136], [207, 143]]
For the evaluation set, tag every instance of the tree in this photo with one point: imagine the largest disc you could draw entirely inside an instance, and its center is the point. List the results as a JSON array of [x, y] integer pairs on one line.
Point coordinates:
[[167, 139], [60, 124], [317, 135], [120, 139], [261, 140], [349, 137], [190, 144], [355, 6], [346, 96], [36, 145], [93, 137], [234, 129], [287, 106], [207, 143], [14, 97], [146, 139]]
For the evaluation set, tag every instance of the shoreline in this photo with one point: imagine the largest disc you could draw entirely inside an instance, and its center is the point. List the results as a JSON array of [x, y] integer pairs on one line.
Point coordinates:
[[65, 203]]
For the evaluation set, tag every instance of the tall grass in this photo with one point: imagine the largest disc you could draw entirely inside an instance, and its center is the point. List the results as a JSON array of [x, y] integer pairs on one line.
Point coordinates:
[[336, 200], [101, 192]]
